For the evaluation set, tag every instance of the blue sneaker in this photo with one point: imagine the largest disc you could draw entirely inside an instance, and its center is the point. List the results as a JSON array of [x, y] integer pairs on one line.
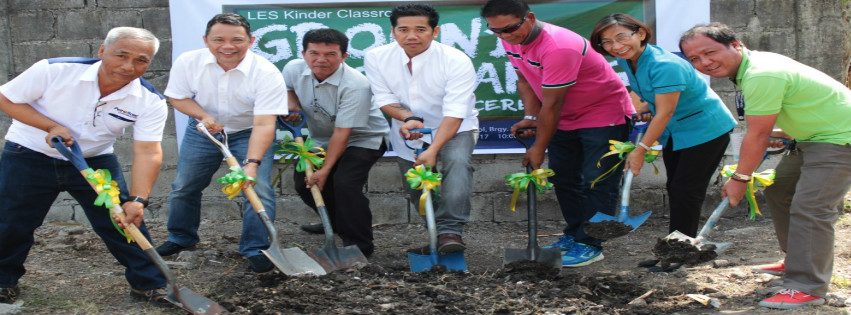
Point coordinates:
[[564, 243], [581, 255]]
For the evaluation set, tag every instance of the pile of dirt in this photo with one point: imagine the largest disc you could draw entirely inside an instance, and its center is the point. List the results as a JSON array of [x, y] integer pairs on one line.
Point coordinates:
[[523, 287], [675, 252], [608, 229]]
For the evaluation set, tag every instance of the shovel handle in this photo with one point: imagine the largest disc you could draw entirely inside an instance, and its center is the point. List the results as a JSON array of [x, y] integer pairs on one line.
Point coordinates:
[[319, 202], [713, 218]]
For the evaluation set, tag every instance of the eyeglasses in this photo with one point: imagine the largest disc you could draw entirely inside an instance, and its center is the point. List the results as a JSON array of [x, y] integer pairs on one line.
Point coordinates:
[[508, 29], [620, 38], [96, 112]]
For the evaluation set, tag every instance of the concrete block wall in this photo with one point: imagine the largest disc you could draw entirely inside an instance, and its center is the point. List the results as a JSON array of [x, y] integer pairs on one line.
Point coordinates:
[[815, 32]]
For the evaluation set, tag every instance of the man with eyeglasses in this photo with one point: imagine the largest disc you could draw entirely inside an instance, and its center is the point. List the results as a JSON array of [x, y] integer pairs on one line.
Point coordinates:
[[419, 83], [229, 89], [88, 102], [577, 103], [337, 103]]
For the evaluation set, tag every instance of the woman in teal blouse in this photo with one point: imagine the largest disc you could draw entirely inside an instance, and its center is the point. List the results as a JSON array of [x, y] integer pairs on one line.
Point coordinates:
[[689, 119]]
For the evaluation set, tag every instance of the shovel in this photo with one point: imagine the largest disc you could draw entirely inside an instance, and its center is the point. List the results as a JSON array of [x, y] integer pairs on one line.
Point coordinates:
[[177, 295], [533, 252], [329, 255], [424, 262], [603, 226], [291, 261]]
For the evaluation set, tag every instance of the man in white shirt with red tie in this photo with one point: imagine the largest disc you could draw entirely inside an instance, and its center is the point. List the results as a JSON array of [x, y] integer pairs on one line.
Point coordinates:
[[421, 83]]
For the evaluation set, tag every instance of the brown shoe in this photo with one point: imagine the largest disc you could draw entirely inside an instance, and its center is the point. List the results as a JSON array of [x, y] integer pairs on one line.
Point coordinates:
[[450, 243]]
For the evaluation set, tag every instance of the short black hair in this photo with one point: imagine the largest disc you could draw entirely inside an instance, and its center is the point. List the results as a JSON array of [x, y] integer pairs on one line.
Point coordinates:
[[325, 36], [414, 9], [627, 21], [716, 31], [229, 19], [518, 8]]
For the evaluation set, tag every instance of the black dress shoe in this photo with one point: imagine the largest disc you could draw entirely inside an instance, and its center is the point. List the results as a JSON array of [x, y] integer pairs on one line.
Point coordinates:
[[9, 295], [170, 248], [315, 228], [260, 263]]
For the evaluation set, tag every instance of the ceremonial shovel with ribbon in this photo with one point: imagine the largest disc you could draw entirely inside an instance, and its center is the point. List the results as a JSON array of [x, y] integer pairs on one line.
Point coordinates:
[[532, 182], [107, 189], [291, 261], [423, 178]]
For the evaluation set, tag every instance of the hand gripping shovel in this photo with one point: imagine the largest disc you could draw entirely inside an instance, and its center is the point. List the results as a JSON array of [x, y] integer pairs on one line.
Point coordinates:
[[329, 255], [291, 261], [680, 248], [604, 226], [424, 262], [177, 295], [533, 252]]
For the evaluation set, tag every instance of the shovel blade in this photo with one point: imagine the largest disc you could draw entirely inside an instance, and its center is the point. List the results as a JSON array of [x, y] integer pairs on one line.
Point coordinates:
[[636, 221], [600, 217], [550, 257], [452, 261], [293, 261], [677, 235], [192, 302], [334, 258]]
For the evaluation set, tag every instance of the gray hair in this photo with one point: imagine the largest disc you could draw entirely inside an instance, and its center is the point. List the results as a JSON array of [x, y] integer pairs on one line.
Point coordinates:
[[126, 32]]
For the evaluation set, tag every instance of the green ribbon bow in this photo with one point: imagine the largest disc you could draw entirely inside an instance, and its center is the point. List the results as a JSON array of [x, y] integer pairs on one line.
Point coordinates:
[[307, 153], [233, 181], [758, 182], [108, 194], [622, 149], [520, 182], [422, 178]]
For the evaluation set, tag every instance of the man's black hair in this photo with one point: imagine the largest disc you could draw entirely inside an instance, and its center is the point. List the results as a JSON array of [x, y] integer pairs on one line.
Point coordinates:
[[716, 31], [229, 19], [325, 36], [518, 8], [414, 9]]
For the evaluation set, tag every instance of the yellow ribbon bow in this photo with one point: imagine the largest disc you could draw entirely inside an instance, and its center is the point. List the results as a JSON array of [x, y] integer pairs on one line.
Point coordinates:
[[758, 182], [623, 148], [233, 181], [520, 182], [108, 194], [422, 178]]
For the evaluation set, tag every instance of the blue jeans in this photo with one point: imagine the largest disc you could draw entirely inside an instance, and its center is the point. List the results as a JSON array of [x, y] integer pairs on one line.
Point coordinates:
[[198, 160], [573, 157], [452, 203], [30, 182]]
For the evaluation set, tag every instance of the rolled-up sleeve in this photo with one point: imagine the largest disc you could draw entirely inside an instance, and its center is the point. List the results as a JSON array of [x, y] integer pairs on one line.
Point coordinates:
[[271, 94], [459, 97], [382, 94], [178, 86]]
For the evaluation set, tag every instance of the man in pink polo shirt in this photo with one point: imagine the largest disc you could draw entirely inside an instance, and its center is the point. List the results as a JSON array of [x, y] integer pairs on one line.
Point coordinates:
[[578, 103]]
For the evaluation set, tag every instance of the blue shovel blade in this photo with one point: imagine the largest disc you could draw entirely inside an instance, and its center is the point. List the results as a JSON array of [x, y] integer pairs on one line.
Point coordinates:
[[600, 217], [638, 220], [452, 261]]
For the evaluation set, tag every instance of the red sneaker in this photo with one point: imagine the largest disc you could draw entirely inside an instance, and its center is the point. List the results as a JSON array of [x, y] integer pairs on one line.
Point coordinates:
[[776, 269], [788, 299]]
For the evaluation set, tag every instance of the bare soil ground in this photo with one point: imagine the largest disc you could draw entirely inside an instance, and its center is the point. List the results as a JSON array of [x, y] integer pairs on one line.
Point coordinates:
[[70, 272]]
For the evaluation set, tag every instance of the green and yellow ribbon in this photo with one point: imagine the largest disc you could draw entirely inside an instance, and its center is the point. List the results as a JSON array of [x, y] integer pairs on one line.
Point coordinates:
[[621, 149], [520, 182], [758, 182], [421, 177], [233, 181], [307, 153], [108, 194]]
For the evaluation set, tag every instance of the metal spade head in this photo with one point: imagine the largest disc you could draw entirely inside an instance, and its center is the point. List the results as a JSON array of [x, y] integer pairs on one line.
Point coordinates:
[[292, 261], [192, 302], [550, 257], [334, 258]]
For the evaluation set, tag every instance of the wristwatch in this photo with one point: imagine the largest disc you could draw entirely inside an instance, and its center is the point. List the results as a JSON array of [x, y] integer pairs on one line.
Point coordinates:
[[740, 177], [530, 117], [138, 199], [246, 161], [417, 118]]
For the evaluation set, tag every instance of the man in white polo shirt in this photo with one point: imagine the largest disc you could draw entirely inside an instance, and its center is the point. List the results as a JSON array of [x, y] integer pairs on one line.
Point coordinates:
[[337, 103], [230, 89], [422, 83], [90, 102]]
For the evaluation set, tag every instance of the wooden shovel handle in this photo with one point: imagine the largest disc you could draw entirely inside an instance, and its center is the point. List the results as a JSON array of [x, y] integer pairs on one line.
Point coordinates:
[[249, 191], [137, 235], [314, 190]]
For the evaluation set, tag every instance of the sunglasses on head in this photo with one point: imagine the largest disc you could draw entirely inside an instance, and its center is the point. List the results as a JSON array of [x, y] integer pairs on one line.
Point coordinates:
[[508, 29]]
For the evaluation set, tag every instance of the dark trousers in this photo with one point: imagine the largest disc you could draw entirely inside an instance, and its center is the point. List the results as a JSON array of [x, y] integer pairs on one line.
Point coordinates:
[[348, 207], [30, 182], [689, 171], [573, 157]]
